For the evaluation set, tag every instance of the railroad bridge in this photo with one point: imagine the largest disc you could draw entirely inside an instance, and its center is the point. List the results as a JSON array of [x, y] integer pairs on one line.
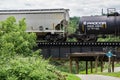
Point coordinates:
[[77, 51]]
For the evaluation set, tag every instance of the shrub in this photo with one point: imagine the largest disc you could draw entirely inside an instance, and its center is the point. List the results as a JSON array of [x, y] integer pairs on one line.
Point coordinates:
[[14, 39], [27, 68], [18, 61]]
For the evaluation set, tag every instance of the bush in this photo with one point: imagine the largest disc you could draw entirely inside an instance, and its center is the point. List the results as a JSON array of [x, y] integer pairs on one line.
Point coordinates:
[[73, 25], [18, 61], [14, 39], [109, 38], [71, 29], [27, 68]]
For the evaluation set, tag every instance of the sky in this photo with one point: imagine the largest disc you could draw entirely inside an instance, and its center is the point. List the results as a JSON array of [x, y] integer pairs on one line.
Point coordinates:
[[76, 7]]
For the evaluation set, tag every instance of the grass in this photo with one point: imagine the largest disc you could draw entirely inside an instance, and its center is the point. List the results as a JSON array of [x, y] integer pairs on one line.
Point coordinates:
[[71, 76], [117, 64], [63, 66], [114, 74], [89, 71], [99, 69]]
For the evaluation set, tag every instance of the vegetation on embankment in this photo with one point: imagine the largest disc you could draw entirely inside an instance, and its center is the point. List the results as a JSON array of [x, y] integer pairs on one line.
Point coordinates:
[[109, 38], [18, 61], [114, 74], [64, 66], [71, 77]]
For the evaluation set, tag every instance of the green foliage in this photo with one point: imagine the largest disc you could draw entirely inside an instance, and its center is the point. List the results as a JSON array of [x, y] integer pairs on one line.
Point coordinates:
[[114, 74], [18, 61], [64, 66], [73, 24], [72, 77], [109, 38], [27, 68], [72, 27], [14, 39], [72, 40]]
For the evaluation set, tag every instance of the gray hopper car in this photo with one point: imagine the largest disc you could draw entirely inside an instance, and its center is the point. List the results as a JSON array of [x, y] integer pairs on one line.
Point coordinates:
[[48, 24]]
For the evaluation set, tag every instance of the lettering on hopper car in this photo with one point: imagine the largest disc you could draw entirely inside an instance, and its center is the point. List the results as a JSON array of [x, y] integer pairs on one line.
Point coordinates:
[[94, 25]]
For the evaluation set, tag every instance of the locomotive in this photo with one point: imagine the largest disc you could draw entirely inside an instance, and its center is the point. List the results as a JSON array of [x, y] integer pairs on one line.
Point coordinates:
[[48, 24], [90, 27]]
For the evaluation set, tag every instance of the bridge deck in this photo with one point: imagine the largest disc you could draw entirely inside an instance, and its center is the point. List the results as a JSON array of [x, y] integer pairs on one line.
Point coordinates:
[[78, 44], [61, 50]]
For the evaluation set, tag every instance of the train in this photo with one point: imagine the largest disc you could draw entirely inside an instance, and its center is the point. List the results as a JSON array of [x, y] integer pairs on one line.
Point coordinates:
[[48, 24], [90, 27], [51, 24]]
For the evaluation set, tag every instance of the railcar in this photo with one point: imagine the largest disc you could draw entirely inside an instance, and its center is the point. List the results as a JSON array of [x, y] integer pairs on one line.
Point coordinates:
[[90, 27], [48, 24]]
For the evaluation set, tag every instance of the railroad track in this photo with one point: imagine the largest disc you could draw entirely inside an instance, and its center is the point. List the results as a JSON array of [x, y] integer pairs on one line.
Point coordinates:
[[78, 44]]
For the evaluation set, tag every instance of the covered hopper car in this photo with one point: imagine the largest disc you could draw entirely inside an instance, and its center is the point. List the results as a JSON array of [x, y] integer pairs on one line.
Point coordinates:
[[48, 24]]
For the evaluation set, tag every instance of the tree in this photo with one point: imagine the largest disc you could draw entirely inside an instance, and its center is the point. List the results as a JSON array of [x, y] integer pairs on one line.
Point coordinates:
[[73, 24], [18, 61], [14, 39]]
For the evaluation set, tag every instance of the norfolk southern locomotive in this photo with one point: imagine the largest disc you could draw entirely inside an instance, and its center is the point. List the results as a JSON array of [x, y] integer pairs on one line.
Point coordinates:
[[91, 26]]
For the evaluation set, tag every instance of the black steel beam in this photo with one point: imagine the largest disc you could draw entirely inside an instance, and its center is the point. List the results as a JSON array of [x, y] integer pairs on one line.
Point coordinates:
[[102, 44], [61, 50]]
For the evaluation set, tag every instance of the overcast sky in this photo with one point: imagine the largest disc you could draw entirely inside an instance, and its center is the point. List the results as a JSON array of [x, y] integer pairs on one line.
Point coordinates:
[[77, 7]]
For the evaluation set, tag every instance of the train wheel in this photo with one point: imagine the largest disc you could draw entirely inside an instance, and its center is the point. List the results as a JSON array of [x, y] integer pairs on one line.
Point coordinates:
[[52, 38], [79, 40], [63, 40], [87, 38], [91, 38], [47, 37]]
